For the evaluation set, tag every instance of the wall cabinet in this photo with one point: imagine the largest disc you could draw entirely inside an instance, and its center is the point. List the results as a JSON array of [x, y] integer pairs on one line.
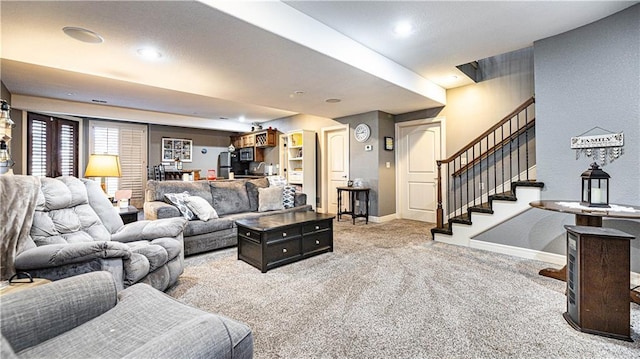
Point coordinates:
[[266, 138], [262, 138]]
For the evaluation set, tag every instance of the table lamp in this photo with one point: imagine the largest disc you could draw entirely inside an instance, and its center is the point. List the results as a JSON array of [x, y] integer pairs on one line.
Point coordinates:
[[103, 166]]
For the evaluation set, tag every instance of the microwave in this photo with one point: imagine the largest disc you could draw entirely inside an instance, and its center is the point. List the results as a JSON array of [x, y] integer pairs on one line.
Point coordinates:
[[246, 154]]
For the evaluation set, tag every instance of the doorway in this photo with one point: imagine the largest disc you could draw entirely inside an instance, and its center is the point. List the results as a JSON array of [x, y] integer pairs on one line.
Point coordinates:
[[335, 164], [420, 143]]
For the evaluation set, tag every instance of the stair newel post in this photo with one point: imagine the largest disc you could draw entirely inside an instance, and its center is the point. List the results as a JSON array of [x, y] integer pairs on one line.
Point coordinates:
[[439, 211]]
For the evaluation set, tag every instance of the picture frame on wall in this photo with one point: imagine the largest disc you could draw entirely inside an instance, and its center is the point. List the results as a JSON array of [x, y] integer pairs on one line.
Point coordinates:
[[388, 143], [180, 148]]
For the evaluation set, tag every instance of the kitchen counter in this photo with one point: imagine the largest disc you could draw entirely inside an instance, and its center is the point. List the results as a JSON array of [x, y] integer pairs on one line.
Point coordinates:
[[249, 176]]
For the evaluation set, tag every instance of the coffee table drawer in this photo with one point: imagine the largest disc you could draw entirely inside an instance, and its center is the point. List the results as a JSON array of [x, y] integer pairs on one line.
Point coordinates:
[[249, 233], [284, 233], [284, 249], [321, 241], [317, 226]]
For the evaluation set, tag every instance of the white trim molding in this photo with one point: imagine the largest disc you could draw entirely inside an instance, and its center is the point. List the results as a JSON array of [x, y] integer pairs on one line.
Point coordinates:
[[526, 253], [382, 219]]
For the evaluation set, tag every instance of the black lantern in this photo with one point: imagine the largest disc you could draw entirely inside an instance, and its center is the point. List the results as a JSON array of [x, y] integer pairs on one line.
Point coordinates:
[[595, 187]]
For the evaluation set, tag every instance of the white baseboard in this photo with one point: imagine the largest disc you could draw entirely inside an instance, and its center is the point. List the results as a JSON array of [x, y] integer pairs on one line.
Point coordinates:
[[558, 259], [387, 218], [553, 258]]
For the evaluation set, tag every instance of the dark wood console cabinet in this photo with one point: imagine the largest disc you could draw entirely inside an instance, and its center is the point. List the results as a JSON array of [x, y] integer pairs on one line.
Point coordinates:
[[272, 241], [598, 261]]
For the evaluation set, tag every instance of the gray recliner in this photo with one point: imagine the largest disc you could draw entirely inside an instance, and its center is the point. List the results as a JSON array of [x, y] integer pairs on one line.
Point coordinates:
[[76, 230], [85, 317]]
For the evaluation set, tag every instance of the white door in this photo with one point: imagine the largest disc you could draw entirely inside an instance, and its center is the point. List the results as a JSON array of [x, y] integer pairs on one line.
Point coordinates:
[[337, 165], [418, 150]]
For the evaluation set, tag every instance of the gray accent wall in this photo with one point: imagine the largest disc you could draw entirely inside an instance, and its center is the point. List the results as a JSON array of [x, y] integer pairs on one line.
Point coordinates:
[[386, 176], [364, 164], [586, 77]]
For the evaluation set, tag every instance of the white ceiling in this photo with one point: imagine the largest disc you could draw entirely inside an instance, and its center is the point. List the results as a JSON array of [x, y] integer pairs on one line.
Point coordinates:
[[223, 60]]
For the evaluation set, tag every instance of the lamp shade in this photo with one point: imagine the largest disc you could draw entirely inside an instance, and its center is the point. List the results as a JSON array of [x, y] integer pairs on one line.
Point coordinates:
[[103, 166]]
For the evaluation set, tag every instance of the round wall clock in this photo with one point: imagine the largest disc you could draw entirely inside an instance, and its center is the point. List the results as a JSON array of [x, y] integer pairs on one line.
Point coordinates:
[[362, 132]]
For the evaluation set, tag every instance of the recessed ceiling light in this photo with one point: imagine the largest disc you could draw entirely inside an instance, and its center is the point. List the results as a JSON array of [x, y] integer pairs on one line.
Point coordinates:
[[403, 29], [296, 94], [332, 100], [149, 53], [83, 35]]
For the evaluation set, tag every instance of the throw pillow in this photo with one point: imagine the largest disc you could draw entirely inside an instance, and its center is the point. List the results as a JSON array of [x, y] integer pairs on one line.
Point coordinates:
[[178, 200], [277, 181], [201, 208], [252, 191], [289, 196], [230, 197], [270, 199]]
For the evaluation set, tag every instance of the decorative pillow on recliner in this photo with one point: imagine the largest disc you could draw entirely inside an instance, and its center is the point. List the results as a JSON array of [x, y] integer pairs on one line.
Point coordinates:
[[201, 208], [289, 196], [178, 200], [270, 199]]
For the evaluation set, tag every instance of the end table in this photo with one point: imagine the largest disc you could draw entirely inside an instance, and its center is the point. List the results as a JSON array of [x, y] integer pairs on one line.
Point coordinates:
[[129, 214]]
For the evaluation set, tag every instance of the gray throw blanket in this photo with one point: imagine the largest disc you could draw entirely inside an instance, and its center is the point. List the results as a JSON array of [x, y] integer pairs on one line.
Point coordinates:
[[18, 197]]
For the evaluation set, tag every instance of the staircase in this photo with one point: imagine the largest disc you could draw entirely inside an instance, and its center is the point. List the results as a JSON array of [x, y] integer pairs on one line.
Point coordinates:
[[488, 181]]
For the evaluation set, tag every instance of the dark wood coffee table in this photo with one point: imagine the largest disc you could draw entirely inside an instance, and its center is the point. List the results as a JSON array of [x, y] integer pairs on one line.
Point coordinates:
[[272, 241]]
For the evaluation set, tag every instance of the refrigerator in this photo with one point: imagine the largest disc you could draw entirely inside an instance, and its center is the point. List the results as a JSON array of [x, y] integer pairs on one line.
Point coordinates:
[[229, 162]]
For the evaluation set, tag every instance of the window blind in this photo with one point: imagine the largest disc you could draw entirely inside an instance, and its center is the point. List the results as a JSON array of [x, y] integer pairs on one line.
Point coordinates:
[[129, 142], [38, 148], [52, 146], [67, 149]]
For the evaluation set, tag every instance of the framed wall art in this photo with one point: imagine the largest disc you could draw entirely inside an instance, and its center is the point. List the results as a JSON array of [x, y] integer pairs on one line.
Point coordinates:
[[177, 148]]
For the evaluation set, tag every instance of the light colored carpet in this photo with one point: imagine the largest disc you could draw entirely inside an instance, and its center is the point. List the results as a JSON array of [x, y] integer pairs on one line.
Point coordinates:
[[388, 291]]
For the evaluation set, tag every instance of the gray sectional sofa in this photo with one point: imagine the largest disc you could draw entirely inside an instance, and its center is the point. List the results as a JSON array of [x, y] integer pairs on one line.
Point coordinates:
[[86, 317], [232, 200]]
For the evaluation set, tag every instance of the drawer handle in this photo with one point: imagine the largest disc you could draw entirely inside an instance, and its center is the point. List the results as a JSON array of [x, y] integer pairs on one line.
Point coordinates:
[[284, 234], [284, 250], [317, 227], [248, 234], [317, 241]]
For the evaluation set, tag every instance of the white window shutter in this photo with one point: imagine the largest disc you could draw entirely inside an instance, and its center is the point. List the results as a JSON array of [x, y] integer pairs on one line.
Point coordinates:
[[129, 142]]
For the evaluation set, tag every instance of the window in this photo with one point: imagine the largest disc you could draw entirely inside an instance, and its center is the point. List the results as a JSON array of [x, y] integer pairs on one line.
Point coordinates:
[[129, 142], [52, 146]]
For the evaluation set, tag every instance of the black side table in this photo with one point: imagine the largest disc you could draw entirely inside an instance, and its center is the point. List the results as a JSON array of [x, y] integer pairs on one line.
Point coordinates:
[[129, 214], [353, 191]]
